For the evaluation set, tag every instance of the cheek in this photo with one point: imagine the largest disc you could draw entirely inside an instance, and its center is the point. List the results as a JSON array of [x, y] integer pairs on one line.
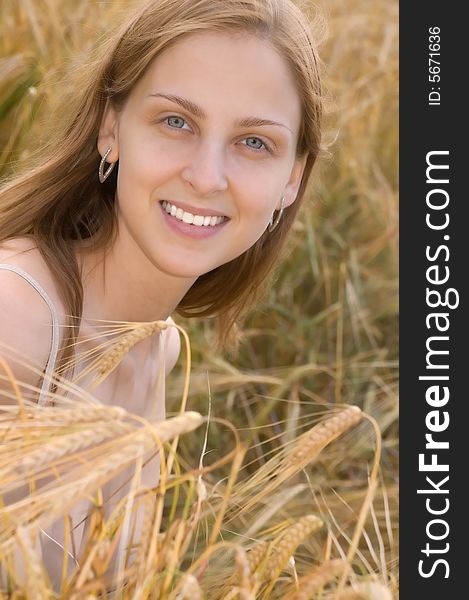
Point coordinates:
[[259, 193], [258, 209], [145, 164]]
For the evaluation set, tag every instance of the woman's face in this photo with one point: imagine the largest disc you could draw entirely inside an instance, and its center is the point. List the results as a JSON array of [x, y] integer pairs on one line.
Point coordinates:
[[211, 130]]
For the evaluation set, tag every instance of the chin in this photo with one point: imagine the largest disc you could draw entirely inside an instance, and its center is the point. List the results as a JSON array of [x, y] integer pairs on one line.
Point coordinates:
[[181, 269]]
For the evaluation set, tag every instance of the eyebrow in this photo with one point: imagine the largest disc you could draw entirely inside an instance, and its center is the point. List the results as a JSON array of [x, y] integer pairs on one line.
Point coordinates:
[[198, 112]]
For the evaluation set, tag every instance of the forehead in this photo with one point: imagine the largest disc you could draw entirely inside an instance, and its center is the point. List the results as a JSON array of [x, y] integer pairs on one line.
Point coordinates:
[[230, 72]]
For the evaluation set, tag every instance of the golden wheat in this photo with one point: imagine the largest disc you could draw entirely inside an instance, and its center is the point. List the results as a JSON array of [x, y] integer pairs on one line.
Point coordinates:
[[45, 505], [244, 579], [32, 450], [316, 579], [288, 541], [170, 428], [46, 416], [287, 463], [190, 589], [243, 574], [370, 590], [256, 554], [108, 360], [241, 584], [309, 445], [148, 517], [67, 444], [35, 585]]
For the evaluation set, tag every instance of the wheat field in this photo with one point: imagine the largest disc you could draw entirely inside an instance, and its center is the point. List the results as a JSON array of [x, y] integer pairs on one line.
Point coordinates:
[[280, 477]]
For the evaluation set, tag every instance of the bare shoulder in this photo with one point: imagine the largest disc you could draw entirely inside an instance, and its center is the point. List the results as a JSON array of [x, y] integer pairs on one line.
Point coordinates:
[[19, 249], [25, 318], [23, 253], [172, 345]]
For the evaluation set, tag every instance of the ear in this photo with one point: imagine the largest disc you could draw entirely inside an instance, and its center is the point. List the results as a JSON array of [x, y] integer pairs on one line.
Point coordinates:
[[293, 185], [108, 133]]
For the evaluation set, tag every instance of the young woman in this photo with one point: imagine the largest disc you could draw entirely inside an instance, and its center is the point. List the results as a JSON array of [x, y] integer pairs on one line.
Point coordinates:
[[179, 171]]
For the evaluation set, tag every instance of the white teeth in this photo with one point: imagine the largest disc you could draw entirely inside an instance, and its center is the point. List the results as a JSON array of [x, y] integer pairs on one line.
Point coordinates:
[[187, 217]]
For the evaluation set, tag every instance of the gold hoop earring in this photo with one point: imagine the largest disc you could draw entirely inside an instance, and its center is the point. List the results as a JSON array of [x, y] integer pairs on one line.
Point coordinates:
[[104, 175], [273, 225]]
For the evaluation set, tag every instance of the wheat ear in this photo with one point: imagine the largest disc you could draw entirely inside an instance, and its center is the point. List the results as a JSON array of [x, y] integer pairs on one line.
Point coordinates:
[[287, 543], [305, 450], [108, 360], [45, 506], [46, 416], [68, 444], [311, 443], [366, 591], [256, 554], [148, 518], [244, 579], [316, 579], [190, 589]]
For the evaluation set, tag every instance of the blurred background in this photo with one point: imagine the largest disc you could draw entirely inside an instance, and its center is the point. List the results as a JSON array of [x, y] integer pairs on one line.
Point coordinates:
[[327, 331]]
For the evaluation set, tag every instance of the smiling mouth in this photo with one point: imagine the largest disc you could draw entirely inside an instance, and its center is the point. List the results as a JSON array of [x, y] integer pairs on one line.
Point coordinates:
[[191, 219]]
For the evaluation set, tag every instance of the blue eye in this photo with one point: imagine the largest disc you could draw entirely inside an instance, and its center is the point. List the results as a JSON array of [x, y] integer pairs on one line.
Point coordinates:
[[257, 143], [176, 122]]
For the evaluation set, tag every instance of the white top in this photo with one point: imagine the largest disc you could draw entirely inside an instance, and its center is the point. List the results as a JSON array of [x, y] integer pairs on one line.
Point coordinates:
[[46, 383], [54, 346], [52, 548]]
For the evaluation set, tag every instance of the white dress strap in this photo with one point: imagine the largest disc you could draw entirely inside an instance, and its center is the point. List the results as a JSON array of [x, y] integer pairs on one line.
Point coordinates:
[[46, 383]]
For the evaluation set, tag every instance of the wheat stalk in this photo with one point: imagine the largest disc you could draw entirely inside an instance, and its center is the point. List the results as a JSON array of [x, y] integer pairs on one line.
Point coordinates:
[[36, 585], [98, 552]]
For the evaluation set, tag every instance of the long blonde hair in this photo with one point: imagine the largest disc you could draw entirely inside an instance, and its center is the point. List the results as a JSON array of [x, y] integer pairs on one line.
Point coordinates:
[[59, 200]]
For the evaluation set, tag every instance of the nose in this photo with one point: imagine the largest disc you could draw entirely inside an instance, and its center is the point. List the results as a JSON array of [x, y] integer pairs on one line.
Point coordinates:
[[205, 169]]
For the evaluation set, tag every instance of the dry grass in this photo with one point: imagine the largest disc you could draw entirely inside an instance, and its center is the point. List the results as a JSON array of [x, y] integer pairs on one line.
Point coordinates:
[[171, 559], [325, 339]]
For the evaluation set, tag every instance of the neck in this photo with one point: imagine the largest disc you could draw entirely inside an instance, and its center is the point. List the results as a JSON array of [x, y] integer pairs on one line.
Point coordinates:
[[122, 284]]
